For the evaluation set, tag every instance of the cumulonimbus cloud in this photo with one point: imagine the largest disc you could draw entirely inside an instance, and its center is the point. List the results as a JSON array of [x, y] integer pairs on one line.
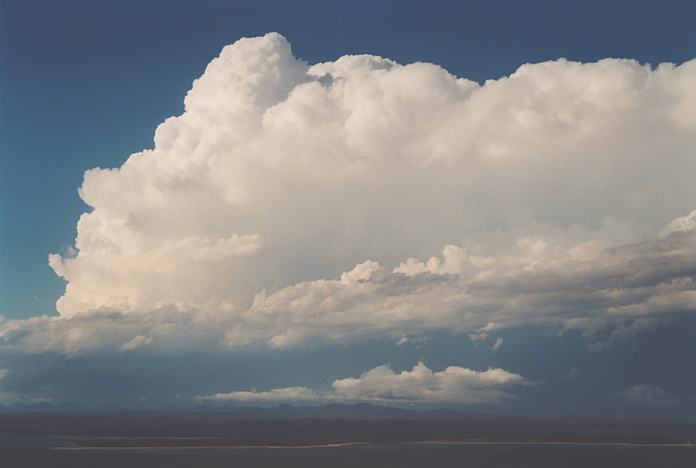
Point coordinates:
[[294, 202], [454, 384]]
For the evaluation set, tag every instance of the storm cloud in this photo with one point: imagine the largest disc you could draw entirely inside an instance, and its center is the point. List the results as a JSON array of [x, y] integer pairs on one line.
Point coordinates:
[[294, 202]]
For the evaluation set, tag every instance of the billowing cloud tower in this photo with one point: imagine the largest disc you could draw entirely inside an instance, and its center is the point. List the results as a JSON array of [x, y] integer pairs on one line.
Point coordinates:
[[294, 202]]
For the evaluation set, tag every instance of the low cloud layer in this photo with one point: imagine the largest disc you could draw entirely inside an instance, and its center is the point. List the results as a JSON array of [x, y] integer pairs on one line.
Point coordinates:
[[420, 385], [293, 203]]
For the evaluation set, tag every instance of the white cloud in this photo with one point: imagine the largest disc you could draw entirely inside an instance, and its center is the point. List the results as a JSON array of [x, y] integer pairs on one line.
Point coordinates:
[[497, 345], [548, 190], [452, 385], [417, 341], [137, 342], [681, 224], [278, 394]]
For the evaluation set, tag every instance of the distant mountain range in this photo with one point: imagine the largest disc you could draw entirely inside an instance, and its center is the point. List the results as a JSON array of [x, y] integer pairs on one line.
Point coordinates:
[[281, 412], [357, 411], [360, 411]]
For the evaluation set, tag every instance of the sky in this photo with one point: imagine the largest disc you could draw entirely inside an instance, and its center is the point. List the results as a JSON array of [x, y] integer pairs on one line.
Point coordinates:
[[480, 205]]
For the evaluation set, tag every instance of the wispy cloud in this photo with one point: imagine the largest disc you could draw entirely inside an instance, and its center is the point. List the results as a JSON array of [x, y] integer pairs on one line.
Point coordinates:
[[643, 394]]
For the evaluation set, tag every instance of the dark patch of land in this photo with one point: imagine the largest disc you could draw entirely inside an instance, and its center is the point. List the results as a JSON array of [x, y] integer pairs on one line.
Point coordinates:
[[333, 424]]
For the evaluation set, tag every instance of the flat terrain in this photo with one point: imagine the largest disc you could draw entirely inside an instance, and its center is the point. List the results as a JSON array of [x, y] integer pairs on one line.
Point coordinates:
[[221, 429], [178, 439]]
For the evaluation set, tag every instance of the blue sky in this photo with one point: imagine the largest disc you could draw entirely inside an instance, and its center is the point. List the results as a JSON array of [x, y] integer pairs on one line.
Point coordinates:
[[84, 84]]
